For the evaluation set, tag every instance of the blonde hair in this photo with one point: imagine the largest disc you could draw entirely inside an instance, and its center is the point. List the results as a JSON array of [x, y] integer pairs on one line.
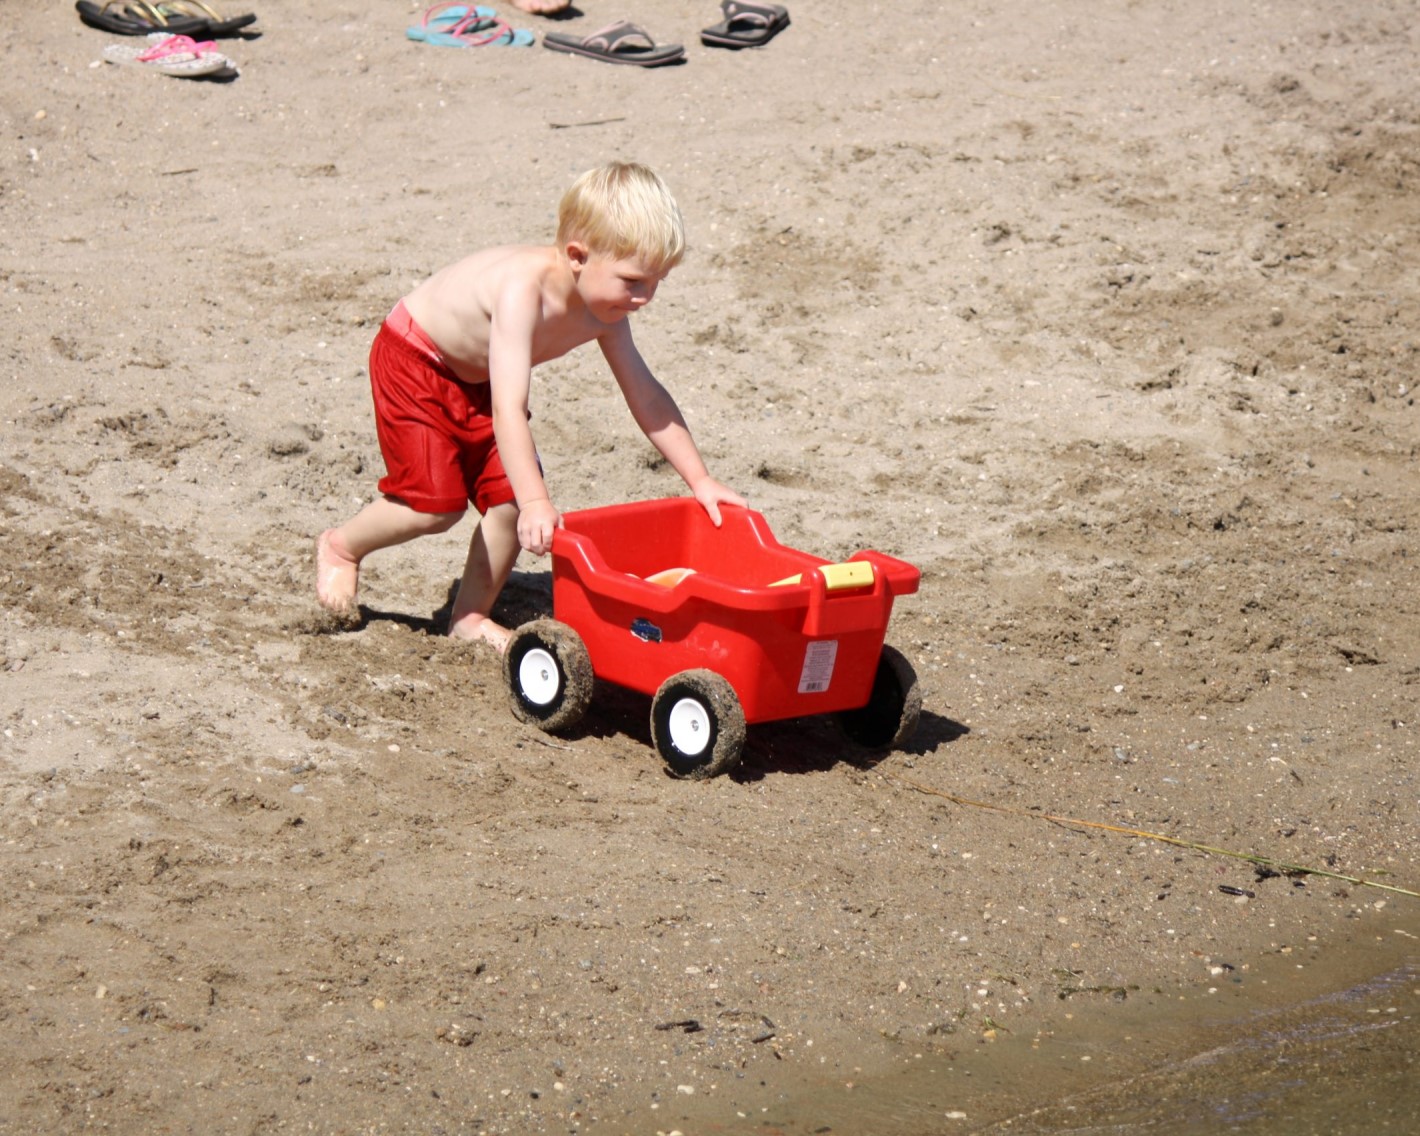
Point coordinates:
[[623, 209]]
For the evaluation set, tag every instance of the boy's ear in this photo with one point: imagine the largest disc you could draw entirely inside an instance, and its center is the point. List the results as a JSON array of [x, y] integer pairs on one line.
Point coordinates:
[[578, 254]]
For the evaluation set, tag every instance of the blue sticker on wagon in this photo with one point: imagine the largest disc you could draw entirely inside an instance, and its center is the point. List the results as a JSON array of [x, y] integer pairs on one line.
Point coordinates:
[[645, 630]]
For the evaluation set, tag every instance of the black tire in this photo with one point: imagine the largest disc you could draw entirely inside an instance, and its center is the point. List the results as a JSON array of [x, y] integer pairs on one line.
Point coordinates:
[[889, 718], [549, 675], [697, 724]]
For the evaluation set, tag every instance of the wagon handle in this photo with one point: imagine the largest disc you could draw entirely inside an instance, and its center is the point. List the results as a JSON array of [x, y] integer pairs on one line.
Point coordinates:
[[902, 577], [836, 577], [830, 614]]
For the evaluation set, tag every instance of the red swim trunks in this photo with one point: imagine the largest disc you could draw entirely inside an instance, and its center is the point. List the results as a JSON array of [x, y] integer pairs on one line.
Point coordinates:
[[436, 432]]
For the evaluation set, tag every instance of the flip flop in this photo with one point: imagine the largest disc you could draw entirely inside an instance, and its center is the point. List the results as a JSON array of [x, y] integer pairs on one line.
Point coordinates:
[[217, 27], [746, 24], [441, 19], [483, 33], [175, 55], [457, 25], [134, 17], [513, 37], [621, 42]]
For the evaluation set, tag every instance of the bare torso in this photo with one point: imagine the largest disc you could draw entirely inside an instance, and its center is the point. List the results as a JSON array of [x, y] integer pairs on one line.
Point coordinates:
[[455, 306]]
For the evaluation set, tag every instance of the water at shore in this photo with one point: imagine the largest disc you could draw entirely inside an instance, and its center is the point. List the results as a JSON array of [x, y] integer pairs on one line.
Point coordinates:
[[1325, 1046], [1342, 1063]]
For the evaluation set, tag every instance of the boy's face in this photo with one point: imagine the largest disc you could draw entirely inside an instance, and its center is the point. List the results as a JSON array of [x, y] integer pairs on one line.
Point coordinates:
[[613, 288]]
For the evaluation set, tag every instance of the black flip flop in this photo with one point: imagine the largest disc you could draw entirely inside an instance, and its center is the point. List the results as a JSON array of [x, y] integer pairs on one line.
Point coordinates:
[[217, 27], [621, 42], [746, 24], [132, 17]]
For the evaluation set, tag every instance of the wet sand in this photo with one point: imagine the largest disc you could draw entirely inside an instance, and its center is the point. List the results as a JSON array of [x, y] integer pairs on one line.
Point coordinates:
[[1321, 1041]]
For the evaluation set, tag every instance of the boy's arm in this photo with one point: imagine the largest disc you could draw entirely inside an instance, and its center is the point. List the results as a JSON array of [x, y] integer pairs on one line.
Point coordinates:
[[661, 421], [510, 377]]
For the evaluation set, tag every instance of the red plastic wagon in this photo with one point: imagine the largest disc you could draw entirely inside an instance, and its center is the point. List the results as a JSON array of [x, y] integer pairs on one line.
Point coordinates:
[[723, 627]]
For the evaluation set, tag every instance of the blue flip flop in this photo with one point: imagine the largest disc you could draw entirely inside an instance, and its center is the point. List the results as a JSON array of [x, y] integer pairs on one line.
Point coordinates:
[[482, 33], [476, 36], [515, 37], [439, 20], [457, 25]]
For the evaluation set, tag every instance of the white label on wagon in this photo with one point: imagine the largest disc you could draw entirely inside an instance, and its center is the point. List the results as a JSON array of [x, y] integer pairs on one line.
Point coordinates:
[[818, 666]]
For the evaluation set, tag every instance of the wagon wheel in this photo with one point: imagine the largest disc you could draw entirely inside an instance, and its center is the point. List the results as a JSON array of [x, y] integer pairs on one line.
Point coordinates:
[[889, 718], [697, 724], [549, 675]]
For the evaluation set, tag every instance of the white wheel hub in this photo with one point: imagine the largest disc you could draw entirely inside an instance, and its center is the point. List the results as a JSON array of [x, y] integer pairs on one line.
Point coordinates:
[[690, 727], [538, 676]]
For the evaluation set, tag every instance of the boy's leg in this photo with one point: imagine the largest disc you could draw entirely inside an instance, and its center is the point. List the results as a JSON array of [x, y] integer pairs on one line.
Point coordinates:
[[382, 523], [492, 551]]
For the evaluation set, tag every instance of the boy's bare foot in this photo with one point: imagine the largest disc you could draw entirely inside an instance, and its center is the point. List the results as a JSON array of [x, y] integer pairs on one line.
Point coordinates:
[[542, 7], [337, 575], [480, 629]]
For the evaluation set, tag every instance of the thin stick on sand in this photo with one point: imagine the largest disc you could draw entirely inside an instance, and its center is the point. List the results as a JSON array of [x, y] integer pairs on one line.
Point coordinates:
[[1264, 861]]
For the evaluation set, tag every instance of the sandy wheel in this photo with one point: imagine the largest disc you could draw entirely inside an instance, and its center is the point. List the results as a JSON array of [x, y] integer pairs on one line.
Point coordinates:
[[889, 718], [697, 724], [549, 675]]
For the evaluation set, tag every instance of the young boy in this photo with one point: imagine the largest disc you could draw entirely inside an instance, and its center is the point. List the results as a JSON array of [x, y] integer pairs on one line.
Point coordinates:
[[450, 370]]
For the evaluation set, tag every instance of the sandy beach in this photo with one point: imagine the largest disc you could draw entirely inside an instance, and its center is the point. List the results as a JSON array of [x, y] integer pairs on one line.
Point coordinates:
[[1101, 316]]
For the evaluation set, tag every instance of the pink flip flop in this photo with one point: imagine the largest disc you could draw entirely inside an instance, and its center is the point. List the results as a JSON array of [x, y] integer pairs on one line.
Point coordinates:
[[177, 55]]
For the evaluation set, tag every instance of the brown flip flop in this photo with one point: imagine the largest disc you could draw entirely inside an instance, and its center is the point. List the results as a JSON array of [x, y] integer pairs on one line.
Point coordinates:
[[621, 42], [746, 24]]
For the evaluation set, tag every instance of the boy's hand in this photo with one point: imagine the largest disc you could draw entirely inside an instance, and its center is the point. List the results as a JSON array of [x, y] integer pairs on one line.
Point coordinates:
[[537, 521], [711, 495]]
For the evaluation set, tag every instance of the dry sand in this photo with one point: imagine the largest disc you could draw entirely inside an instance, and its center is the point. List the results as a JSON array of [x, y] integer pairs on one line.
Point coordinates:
[[1102, 315]]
